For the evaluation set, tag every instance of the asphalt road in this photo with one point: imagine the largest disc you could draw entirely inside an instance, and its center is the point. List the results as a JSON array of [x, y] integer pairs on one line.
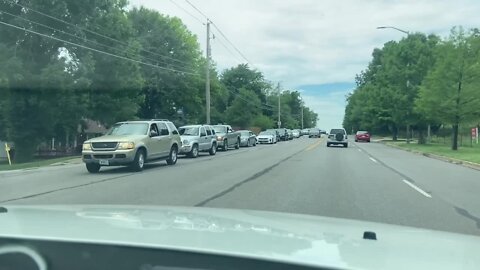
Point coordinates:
[[367, 181]]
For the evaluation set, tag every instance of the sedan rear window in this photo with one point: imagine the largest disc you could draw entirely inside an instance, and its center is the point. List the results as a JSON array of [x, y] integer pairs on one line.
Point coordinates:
[[362, 132]]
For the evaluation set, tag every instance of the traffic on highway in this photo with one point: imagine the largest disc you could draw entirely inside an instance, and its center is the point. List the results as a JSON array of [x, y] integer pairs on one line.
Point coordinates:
[[188, 134]]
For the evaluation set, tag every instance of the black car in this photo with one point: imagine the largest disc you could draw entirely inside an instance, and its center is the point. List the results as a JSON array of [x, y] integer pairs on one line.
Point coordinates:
[[283, 134]]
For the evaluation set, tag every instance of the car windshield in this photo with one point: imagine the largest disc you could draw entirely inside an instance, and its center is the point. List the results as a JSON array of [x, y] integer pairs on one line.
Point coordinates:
[[129, 129], [336, 131], [109, 107], [220, 129], [188, 131]]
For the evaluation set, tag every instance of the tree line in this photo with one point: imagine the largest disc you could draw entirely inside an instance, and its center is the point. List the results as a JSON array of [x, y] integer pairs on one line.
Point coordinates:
[[417, 82], [65, 61]]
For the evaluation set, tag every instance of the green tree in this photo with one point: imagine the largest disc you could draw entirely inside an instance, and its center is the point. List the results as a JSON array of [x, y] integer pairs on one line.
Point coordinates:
[[450, 92], [243, 110]]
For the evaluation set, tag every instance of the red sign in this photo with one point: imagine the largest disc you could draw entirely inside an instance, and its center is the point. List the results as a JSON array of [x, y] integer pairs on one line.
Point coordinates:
[[474, 133]]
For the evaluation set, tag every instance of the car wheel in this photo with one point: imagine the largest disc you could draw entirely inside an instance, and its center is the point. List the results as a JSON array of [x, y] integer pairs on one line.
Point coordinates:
[[356, 140], [139, 160], [255, 143], [225, 145], [328, 145], [213, 150], [92, 167], [345, 145], [237, 146], [194, 152], [368, 141], [173, 156]]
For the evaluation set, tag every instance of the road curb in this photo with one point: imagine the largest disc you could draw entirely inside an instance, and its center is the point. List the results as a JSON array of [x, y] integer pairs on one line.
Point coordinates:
[[468, 164]]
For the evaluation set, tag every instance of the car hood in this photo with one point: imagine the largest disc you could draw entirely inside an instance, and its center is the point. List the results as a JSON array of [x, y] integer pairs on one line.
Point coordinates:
[[188, 137], [292, 238], [264, 136], [220, 134], [117, 138]]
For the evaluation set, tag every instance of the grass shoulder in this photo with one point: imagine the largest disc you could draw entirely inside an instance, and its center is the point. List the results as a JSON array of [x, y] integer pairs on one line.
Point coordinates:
[[4, 166], [466, 153]]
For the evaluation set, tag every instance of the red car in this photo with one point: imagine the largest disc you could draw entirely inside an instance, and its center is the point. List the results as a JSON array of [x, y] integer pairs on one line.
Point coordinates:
[[362, 136]]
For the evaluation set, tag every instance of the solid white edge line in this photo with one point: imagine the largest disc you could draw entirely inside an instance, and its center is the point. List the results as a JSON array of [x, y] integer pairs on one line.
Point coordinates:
[[417, 188], [359, 150], [372, 159]]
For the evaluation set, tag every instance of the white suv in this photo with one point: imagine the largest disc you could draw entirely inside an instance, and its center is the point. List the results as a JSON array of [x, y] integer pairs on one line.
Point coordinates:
[[337, 136]]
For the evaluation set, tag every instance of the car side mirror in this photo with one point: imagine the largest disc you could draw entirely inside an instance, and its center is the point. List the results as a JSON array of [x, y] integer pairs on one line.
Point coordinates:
[[164, 132]]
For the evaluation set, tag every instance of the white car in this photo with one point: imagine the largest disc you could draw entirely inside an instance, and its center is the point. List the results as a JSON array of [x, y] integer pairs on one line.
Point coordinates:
[[267, 137], [131, 237], [337, 136]]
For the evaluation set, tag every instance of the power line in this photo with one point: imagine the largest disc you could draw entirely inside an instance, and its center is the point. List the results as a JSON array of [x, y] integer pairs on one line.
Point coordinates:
[[95, 50], [203, 14], [226, 48], [186, 11], [231, 43], [92, 32], [87, 40]]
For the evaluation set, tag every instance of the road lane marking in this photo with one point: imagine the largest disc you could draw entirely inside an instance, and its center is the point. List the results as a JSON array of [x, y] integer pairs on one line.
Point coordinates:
[[417, 188], [311, 147], [359, 150], [372, 159]]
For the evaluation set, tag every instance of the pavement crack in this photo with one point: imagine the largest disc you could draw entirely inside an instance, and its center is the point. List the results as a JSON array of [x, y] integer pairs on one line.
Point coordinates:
[[249, 179], [467, 214], [64, 188]]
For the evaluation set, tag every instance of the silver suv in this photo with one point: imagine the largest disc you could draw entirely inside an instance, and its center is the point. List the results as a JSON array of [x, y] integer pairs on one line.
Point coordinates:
[[337, 136], [133, 143], [198, 138]]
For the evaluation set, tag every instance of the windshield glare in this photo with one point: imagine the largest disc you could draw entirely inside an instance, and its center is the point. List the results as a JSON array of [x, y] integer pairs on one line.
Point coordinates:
[[188, 131], [220, 129], [129, 129]]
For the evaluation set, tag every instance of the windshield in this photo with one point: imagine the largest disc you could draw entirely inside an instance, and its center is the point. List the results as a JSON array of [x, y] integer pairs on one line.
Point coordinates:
[[393, 87], [129, 129], [189, 131], [220, 129]]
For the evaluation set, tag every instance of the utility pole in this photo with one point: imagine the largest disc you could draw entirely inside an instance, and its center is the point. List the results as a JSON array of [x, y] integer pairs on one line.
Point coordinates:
[[279, 123], [302, 115], [207, 82]]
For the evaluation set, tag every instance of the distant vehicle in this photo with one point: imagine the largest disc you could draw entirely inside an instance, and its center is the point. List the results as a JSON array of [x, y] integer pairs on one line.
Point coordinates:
[[314, 133], [277, 133], [283, 134], [296, 133], [197, 138], [247, 138], [323, 132], [337, 136], [290, 134], [267, 137], [304, 131], [362, 136], [133, 143], [226, 137]]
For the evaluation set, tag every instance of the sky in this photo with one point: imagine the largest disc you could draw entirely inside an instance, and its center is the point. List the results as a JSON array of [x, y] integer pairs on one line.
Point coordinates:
[[313, 46]]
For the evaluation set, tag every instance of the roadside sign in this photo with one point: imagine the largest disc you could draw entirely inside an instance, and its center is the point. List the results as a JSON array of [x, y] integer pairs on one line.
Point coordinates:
[[7, 149], [279, 123], [475, 134]]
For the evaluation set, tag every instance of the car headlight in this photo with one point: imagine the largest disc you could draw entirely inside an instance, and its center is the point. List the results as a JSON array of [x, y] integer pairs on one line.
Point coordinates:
[[87, 146], [186, 142], [219, 138], [126, 145]]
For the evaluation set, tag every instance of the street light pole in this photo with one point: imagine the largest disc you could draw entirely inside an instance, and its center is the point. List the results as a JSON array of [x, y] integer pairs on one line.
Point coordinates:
[[408, 81]]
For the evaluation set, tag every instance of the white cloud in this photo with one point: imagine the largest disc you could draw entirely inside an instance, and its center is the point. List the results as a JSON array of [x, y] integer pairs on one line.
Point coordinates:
[[302, 42]]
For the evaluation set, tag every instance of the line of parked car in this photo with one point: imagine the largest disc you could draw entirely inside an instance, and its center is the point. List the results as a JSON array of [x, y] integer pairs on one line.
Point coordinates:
[[134, 143]]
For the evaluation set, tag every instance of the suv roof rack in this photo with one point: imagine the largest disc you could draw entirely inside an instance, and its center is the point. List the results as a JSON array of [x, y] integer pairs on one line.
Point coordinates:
[[159, 120]]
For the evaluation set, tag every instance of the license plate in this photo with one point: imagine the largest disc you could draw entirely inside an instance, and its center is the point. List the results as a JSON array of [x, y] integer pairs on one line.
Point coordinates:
[[104, 162]]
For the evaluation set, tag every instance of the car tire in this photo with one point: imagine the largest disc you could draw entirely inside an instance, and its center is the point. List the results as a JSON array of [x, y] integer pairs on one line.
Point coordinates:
[[328, 145], [225, 145], [356, 140], [92, 167], [345, 145], [368, 141], [194, 152], [237, 145], [255, 143], [173, 156], [213, 149], [139, 161]]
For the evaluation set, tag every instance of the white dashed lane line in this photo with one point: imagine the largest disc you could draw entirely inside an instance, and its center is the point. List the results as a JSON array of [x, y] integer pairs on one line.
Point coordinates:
[[419, 190], [372, 159]]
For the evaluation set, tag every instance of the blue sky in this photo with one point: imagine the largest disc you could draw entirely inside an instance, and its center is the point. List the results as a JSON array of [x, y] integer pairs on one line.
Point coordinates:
[[316, 46]]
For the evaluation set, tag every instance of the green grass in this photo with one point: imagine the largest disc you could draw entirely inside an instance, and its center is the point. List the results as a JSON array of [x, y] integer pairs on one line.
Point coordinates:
[[34, 164], [466, 153]]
